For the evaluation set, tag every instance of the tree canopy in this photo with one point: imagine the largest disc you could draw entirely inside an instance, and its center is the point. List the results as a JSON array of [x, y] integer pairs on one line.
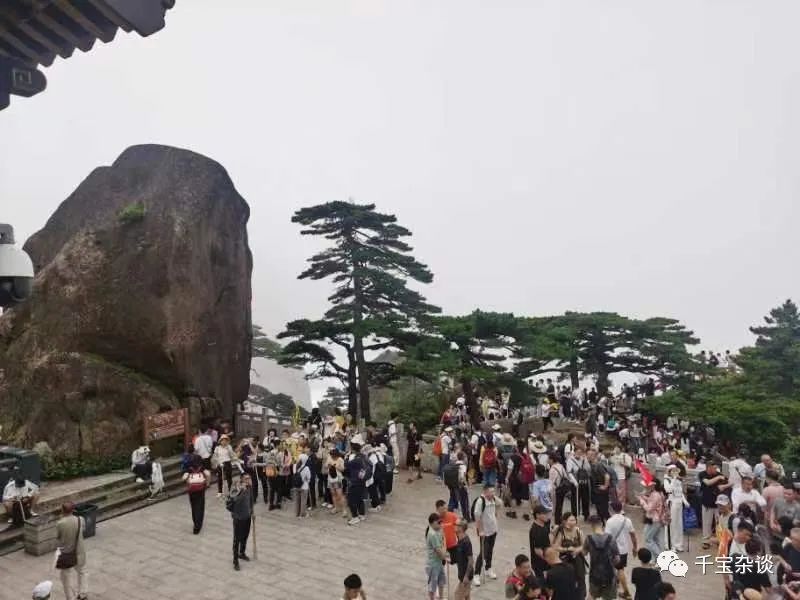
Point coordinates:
[[371, 306], [264, 346]]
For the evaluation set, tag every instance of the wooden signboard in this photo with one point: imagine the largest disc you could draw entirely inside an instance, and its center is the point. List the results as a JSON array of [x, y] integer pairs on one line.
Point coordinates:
[[167, 424]]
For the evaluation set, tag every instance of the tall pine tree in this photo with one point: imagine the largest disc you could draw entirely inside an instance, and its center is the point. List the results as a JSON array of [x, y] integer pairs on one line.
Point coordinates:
[[370, 265]]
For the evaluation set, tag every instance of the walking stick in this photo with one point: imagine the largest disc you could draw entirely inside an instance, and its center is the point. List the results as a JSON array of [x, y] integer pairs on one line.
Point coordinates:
[[482, 576], [255, 543], [447, 575]]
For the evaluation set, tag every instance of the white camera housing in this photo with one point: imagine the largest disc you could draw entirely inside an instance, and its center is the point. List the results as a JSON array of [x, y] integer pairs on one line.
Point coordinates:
[[16, 270]]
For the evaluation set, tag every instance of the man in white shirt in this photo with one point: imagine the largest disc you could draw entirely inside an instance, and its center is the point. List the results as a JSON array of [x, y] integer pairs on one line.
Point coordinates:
[[392, 431], [486, 526], [203, 446], [737, 469], [767, 464], [745, 494], [621, 530], [19, 498]]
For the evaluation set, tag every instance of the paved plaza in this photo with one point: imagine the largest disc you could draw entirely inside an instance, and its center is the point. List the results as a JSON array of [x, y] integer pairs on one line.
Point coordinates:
[[152, 554]]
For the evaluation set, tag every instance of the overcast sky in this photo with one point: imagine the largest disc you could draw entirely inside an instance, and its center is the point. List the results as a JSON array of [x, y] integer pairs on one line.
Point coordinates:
[[630, 156]]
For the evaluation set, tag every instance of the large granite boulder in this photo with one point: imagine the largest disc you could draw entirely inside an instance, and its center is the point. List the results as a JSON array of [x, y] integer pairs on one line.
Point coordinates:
[[141, 303]]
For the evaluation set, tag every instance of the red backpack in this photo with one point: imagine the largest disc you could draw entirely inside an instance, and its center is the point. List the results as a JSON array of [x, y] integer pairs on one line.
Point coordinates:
[[196, 482], [527, 473], [489, 458], [437, 446]]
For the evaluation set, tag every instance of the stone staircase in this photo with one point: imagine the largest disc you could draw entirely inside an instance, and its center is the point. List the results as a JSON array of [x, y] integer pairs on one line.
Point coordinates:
[[112, 500]]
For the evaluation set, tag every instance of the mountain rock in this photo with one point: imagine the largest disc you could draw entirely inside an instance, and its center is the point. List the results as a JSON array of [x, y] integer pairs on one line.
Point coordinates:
[[141, 303]]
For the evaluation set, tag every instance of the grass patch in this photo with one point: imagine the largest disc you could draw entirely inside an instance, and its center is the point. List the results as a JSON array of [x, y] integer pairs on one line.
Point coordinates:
[[132, 213]]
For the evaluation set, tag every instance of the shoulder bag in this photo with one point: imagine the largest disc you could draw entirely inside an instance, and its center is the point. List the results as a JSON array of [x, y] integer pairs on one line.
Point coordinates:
[[67, 560]]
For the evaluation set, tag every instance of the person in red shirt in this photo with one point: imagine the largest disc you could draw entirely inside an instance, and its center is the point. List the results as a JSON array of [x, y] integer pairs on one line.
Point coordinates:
[[448, 520], [519, 576]]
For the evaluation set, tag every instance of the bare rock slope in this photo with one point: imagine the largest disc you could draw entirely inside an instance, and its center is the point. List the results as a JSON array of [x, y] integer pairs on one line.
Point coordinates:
[[141, 302]]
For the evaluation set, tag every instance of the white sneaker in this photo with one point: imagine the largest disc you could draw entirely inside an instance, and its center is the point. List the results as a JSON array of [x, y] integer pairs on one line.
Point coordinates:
[[354, 521], [396, 471], [476, 581], [219, 494], [491, 574], [362, 517], [374, 510], [139, 480]]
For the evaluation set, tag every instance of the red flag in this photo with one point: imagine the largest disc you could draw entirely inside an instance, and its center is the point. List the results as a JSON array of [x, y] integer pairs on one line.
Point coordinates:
[[647, 476]]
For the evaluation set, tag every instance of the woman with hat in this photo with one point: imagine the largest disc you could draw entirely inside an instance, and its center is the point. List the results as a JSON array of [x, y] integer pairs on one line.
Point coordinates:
[[223, 458], [676, 501], [356, 469], [656, 515]]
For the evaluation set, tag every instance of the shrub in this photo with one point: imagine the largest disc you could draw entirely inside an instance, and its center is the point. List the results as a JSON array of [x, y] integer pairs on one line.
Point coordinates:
[[55, 469], [132, 213]]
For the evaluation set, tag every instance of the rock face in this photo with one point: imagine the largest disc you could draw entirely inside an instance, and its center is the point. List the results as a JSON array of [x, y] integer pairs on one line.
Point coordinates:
[[141, 302]]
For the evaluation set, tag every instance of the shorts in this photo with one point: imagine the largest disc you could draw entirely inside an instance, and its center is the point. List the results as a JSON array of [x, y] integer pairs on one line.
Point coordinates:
[[334, 485], [606, 592], [622, 562], [436, 578]]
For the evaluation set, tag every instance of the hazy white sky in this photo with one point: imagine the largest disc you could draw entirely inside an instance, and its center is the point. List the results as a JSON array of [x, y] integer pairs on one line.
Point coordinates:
[[632, 156]]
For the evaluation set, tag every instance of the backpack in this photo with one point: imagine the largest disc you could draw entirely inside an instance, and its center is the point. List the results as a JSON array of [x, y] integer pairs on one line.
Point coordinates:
[[598, 474], [297, 478], [389, 462], [582, 475], [450, 475], [564, 485], [601, 571], [612, 474], [474, 504], [526, 473], [437, 447], [489, 458], [196, 482]]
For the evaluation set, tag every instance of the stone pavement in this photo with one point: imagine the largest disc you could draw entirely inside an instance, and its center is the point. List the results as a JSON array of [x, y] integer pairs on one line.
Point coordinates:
[[152, 554]]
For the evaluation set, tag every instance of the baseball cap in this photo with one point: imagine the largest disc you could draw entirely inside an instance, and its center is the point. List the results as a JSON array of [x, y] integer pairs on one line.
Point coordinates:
[[540, 510], [723, 499]]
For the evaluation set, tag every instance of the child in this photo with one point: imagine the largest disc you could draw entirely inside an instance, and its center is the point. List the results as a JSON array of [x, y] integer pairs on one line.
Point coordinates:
[[353, 589], [646, 578]]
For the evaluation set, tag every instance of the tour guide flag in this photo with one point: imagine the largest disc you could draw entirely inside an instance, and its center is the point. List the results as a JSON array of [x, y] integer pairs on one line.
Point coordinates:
[[647, 476]]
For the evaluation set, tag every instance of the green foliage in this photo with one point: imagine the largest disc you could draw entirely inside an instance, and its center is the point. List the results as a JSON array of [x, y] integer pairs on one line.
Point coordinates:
[[334, 398], [280, 403], [371, 307], [132, 213], [264, 346], [790, 457], [414, 401], [60, 468]]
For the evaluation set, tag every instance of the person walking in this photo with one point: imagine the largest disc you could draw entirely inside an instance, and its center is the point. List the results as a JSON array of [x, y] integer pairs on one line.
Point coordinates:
[[465, 562], [413, 460], [301, 483], [539, 539], [653, 503], [676, 501], [358, 472], [601, 485], [437, 557], [621, 530], [560, 579], [561, 484], [484, 511], [240, 505], [603, 559], [197, 480], [712, 484], [203, 447], [222, 459], [69, 533], [567, 539]]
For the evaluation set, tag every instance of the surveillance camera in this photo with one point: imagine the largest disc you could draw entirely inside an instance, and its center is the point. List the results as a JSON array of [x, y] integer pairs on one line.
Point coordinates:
[[16, 270]]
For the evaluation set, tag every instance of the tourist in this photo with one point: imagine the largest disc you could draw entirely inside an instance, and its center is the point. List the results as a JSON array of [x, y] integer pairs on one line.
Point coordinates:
[[520, 474], [246, 451], [465, 563], [448, 520], [542, 490], [353, 589], [656, 515], [141, 464], [356, 468], [287, 464], [724, 527], [737, 546], [561, 485], [197, 481], [622, 463], [745, 493], [676, 502], [787, 507], [489, 463], [539, 539], [413, 458], [601, 485], [767, 464], [621, 530], [391, 429], [772, 491], [203, 447], [532, 590], [222, 459], [547, 421], [579, 471], [603, 558], [301, 483], [666, 591], [334, 465], [259, 464], [240, 505], [445, 441], [19, 499], [517, 578], [484, 511], [567, 539], [437, 557], [646, 577], [751, 582], [712, 484], [560, 579], [70, 531], [273, 464]]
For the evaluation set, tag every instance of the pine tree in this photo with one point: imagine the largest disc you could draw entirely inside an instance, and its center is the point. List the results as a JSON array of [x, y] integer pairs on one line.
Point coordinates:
[[370, 264]]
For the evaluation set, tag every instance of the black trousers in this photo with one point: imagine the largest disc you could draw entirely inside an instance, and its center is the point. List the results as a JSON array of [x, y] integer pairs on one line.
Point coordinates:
[[323, 492], [224, 470], [485, 554], [601, 504], [262, 477], [374, 496], [241, 531], [355, 500], [275, 491], [583, 505], [561, 495], [388, 482], [197, 500], [312, 490]]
